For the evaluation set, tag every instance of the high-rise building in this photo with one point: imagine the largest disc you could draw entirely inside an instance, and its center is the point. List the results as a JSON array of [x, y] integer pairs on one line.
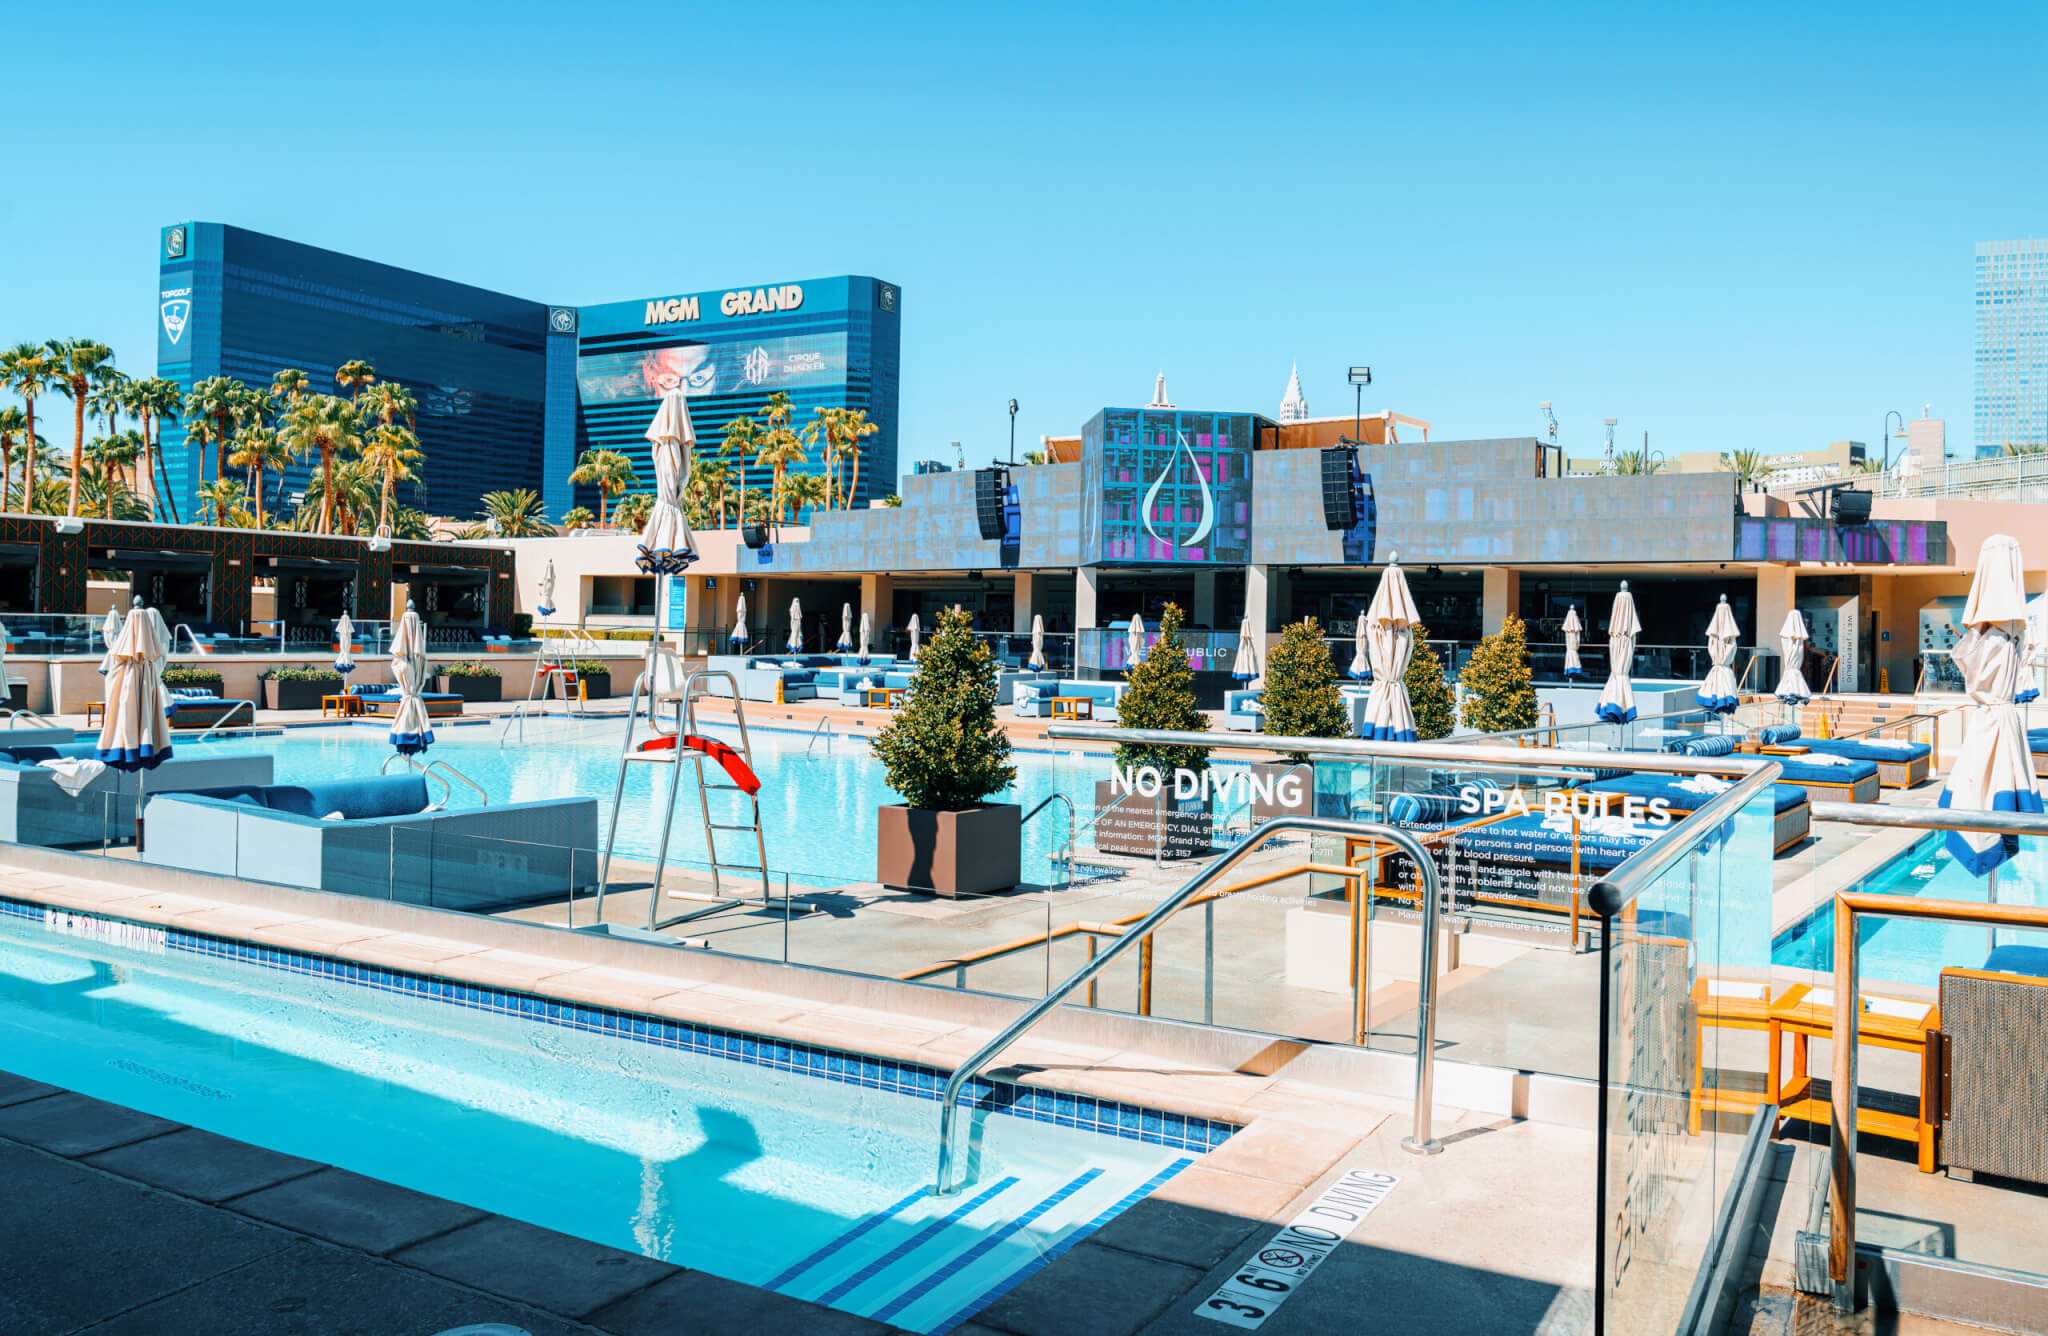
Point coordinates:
[[2012, 344], [1293, 404], [510, 391]]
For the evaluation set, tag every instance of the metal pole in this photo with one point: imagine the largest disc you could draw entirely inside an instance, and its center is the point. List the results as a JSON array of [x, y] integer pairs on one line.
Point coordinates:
[[1208, 962], [1357, 413], [1842, 1117], [1421, 1142]]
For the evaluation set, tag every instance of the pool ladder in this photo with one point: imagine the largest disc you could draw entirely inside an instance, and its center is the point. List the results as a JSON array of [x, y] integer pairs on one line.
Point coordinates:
[[683, 701], [548, 668]]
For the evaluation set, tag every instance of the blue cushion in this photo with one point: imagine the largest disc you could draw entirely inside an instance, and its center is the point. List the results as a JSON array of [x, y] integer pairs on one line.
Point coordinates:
[[2015, 959], [1708, 744], [355, 799], [1777, 735]]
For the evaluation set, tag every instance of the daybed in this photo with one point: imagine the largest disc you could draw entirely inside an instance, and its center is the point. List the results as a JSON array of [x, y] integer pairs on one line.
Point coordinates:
[[34, 809], [1241, 711], [383, 702], [1845, 778], [381, 837], [1900, 765], [1792, 813], [2037, 745], [1033, 699], [205, 710]]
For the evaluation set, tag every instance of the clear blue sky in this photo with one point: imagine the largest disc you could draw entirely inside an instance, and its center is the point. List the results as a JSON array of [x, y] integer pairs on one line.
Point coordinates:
[[1727, 226]]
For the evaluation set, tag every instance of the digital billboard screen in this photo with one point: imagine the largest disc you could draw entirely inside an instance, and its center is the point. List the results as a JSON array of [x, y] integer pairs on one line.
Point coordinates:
[[738, 366]]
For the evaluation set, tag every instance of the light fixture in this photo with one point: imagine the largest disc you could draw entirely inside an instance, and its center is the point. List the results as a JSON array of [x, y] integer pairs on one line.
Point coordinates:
[[71, 524]]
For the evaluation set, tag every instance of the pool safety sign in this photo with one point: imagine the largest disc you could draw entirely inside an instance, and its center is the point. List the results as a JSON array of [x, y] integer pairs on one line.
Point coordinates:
[[1270, 1276]]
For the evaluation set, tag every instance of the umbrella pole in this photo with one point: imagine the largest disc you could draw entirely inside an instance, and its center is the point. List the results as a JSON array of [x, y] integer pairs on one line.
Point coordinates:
[[141, 776], [1992, 898]]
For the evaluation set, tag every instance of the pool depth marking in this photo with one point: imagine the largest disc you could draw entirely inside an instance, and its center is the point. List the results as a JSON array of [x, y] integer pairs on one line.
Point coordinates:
[[1272, 1274]]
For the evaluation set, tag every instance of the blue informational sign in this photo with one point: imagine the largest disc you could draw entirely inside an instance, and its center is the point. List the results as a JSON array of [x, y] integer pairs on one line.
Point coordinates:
[[676, 606]]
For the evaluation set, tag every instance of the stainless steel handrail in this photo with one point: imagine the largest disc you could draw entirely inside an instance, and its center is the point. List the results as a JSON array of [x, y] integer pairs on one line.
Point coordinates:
[[220, 723], [14, 718], [1635, 873], [447, 788], [1461, 753], [1477, 738], [443, 769], [1420, 1142]]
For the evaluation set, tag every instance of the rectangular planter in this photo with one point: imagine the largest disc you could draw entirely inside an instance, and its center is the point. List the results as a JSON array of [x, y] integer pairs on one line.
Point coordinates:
[[288, 695], [975, 852], [471, 688], [1159, 826], [596, 686]]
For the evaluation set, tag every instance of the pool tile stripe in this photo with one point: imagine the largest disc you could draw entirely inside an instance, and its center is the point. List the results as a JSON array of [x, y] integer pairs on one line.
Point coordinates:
[[1127, 1121], [917, 1240], [987, 1244], [1060, 1248], [838, 1244]]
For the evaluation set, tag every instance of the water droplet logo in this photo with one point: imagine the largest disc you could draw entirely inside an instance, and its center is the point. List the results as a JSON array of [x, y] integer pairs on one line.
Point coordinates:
[[1208, 520]]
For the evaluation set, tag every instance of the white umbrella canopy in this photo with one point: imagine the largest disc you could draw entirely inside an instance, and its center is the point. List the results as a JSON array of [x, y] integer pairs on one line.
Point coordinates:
[[411, 733], [1994, 772], [2030, 676], [796, 626], [1245, 667], [845, 645], [739, 623], [1134, 642], [666, 547], [137, 731], [863, 654], [1361, 653], [344, 645], [1617, 703], [1390, 641], [914, 629], [1717, 693], [1036, 663], [546, 606], [1792, 638], [110, 632], [1573, 630]]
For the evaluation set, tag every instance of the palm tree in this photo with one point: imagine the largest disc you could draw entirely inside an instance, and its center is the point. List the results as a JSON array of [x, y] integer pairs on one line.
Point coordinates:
[[577, 517], [708, 482], [742, 436], [631, 512], [808, 491], [326, 425], [1034, 457], [13, 431], [339, 498], [29, 370], [225, 495], [213, 409], [1746, 465], [844, 429], [78, 363], [355, 377], [260, 450], [391, 451], [152, 400], [609, 472], [113, 460], [411, 525], [517, 514], [110, 395], [288, 387], [1634, 463], [780, 448]]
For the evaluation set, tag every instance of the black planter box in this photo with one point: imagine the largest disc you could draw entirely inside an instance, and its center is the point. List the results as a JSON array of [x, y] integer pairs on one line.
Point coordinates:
[[1159, 826], [975, 852], [470, 688], [295, 695], [596, 686]]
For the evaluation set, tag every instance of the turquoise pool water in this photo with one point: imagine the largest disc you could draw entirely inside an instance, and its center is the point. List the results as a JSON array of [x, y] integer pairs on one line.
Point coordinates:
[[810, 1186], [1909, 952], [818, 802]]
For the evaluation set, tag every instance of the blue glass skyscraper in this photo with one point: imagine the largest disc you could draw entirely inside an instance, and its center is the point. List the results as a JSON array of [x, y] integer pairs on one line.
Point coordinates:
[[2012, 345]]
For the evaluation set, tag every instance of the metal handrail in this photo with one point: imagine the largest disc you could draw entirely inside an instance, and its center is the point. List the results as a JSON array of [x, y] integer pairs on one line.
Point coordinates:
[[227, 714], [824, 730], [1566, 728], [447, 789], [14, 718], [1409, 752], [441, 769], [1633, 876], [1420, 1142]]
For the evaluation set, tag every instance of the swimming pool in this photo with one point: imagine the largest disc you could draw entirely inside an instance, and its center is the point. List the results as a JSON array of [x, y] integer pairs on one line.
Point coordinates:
[[1900, 951], [818, 802], [776, 1165]]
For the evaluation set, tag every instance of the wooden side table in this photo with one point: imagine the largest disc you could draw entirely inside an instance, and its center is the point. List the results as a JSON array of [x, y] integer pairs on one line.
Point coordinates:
[[95, 711], [887, 698], [347, 706], [1073, 707], [1900, 1023], [1724, 1004]]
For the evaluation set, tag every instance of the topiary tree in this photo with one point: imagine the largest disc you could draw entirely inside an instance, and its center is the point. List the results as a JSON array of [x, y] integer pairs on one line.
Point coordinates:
[[1429, 695], [1500, 694], [1301, 699], [943, 749], [1162, 695]]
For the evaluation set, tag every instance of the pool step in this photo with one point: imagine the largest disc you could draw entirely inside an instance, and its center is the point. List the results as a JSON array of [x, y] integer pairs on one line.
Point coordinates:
[[928, 1262]]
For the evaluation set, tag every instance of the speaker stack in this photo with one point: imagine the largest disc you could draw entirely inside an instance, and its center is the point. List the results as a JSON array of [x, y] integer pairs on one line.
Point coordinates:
[[991, 486], [1340, 486]]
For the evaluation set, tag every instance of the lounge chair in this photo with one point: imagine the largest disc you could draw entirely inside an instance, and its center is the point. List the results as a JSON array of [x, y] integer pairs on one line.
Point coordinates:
[[1900, 765]]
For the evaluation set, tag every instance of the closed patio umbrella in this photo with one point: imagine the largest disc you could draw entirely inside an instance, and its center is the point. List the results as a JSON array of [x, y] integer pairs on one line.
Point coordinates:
[[1994, 772], [666, 547], [6, 683], [1036, 663], [1717, 693], [739, 623], [796, 626], [1792, 639], [1618, 698], [863, 654], [1245, 667], [110, 632], [1573, 629], [1390, 640], [1361, 653], [845, 645], [344, 645], [913, 635], [2030, 674], [1134, 646], [136, 735], [546, 606], [410, 731]]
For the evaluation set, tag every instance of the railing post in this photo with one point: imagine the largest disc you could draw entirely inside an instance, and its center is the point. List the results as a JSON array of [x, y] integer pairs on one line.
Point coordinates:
[[1421, 1142], [1842, 1116]]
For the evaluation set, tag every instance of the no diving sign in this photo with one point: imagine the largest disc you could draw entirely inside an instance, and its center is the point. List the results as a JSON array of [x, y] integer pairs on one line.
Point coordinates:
[[1272, 1274]]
